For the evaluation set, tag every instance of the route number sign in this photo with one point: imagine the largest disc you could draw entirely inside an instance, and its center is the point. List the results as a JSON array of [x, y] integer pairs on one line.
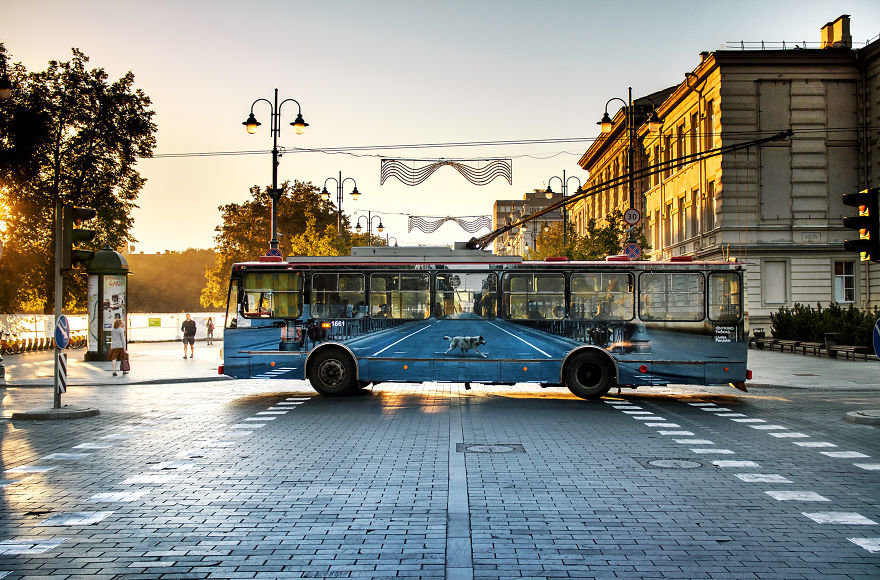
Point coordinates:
[[632, 216]]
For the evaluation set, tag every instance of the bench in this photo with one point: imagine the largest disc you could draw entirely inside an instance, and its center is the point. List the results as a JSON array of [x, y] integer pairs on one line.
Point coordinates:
[[816, 347], [783, 344], [847, 350]]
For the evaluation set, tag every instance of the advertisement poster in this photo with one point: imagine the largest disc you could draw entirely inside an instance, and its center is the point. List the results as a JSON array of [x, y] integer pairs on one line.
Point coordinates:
[[114, 301], [93, 313]]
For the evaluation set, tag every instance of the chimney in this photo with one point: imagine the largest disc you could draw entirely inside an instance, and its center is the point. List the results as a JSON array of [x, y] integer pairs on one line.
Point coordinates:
[[836, 34]]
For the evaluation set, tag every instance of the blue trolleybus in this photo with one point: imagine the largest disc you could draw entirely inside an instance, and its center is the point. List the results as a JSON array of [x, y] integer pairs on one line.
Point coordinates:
[[394, 314]]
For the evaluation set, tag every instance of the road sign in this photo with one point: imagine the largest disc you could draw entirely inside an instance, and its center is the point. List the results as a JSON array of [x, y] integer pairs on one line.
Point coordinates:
[[61, 372], [876, 338], [62, 332], [632, 216], [275, 252], [632, 251]]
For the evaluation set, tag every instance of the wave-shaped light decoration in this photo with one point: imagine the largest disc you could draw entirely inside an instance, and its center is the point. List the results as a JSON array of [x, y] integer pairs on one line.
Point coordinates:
[[430, 224], [416, 175]]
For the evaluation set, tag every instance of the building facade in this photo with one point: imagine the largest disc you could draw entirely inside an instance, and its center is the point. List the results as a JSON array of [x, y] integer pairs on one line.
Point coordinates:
[[777, 207], [519, 240]]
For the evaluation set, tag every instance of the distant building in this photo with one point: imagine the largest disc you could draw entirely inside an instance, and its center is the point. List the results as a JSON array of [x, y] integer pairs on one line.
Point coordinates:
[[517, 241], [776, 207]]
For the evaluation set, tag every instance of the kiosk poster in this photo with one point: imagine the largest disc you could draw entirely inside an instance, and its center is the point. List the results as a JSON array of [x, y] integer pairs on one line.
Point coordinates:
[[93, 313], [114, 300]]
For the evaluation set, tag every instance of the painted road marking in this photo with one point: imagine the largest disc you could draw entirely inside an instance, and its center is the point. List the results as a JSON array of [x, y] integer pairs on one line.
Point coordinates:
[[181, 465], [521, 340], [118, 496], [733, 463], [796, 496], [661, 424], [790, 435], [870, 544], [844, 454], [93, 446], [71, 456], [272, 412], [651, 417], [246, 426], [762, 478], [638, 413], [402, 339], [75, 519], [150, 478], [260, 418], [28, 546], [31, 469], [676, 432], [848, 518], [717, 409], [695, 442], [701, 404], [814, 444], [718, 451], [750, 420], [868, 466], [768, 427], [731, 414]]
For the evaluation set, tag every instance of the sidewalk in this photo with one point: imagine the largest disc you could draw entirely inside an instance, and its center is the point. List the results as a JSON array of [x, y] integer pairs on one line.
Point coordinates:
[[151, 362], [163, 362]]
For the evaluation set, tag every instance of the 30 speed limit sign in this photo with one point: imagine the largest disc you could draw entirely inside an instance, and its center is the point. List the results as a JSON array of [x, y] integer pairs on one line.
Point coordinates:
[[632, 216]]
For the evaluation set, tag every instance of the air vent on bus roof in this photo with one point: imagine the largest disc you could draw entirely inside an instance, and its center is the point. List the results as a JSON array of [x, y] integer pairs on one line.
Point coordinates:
[[556, 259], [617, 258], [681, 259]]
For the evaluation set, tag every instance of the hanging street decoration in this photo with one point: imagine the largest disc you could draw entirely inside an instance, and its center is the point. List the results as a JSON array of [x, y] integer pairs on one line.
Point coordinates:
[[430, 224], [412, 176]]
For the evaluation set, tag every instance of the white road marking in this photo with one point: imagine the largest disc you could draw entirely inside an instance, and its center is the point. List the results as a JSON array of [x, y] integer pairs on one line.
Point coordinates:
[[676, 432], [75, 519], [796, 496], [868, 466], [118, 496], [661, 424], [814, 444], [31, 469], [638, 413], [768, 427], [272, 412], [181, 465], [627, 406], [844, 454], [849, 518], [701, 404], [695, 442], [790, 435], [870, 544], [718, 451], [733, 463], [402, 339], [521, 340], [93, 446], [750, 420], [150, 478], [28, 546], [762, 478], [731, 414], [72, 456], [246, 426], [261, 418], [647, 418], [717, 409]]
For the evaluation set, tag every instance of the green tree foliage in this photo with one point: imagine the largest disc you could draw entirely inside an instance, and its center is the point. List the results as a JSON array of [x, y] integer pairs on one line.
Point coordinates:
[[597, 243], [306, 226], [169, 282], [68, 133], [805, 323]]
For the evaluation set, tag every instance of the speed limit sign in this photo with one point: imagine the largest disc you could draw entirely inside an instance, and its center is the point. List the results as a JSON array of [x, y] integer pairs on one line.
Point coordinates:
[[632, 216]]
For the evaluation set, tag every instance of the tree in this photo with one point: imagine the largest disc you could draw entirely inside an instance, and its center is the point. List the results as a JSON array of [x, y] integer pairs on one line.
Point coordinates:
[[306, 226], [70, 134], [597, 243], [167, 282]]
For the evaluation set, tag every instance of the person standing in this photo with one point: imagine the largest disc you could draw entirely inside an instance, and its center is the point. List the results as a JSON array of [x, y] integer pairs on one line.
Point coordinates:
[[209, 326], [189, 335], [117, 345]]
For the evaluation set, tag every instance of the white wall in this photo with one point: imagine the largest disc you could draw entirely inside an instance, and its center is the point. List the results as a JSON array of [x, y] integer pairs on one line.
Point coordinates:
[[139, 325]]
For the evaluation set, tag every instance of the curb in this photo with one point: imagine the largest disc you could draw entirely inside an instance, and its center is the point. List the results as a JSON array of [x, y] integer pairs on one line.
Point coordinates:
[[51, 414], [869, 417], [107, 384]]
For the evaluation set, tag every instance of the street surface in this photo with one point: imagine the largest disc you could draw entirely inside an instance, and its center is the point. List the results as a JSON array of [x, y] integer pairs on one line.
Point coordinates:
[[193, 478]]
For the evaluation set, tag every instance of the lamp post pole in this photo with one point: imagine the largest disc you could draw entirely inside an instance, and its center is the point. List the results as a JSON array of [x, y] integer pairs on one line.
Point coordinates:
[[380, 228], [275, 128], [549, 194], [339, 186]]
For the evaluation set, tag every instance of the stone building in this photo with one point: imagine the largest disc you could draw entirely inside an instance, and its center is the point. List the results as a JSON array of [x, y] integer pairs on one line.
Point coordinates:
[[517, 241], [776, 207]]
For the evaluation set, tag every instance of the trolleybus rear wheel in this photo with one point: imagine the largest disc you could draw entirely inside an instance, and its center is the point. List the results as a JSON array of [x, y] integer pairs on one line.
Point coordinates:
[[589, 375], [332, 373]]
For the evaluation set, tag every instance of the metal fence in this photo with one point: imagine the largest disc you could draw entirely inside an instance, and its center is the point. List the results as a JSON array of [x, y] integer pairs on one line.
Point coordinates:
[[142, 327]]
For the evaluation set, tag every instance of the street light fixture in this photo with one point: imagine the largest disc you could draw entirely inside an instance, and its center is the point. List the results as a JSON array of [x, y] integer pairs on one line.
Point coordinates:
[[275, 128], [380, 228], [549, 193], [325, 195]]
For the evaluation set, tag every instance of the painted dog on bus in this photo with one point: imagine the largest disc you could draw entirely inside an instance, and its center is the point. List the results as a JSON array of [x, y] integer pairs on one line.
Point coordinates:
[[465, 343]]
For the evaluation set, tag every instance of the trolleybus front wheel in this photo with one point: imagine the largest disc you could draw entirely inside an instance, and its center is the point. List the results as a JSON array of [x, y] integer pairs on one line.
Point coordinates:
[[332, 373], [589, 375]]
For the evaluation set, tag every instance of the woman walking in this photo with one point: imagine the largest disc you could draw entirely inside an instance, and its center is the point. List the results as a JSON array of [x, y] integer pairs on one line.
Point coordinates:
[[210, 328], [118, 346]]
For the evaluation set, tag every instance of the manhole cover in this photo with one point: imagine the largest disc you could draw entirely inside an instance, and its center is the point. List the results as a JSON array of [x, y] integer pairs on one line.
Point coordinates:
[[489, 448], [666, 463]]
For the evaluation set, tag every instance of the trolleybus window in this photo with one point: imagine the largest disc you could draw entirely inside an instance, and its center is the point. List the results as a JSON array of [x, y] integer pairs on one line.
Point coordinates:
[[534, 296], [601, 295], [671, 296], [465, 295], [272, 295], [338, 295], [725, 297], [403, 296], [232, 305]]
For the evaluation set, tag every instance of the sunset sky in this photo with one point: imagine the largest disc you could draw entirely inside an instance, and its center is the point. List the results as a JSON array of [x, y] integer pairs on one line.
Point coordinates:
[[386, 73]]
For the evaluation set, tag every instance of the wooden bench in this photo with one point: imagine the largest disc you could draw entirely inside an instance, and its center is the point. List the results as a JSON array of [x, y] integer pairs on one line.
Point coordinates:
[[816, 347], [847, 350], [765, 342], [783, 344]]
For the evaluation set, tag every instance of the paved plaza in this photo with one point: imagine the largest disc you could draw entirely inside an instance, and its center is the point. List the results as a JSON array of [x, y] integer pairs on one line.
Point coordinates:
[[185, 477]]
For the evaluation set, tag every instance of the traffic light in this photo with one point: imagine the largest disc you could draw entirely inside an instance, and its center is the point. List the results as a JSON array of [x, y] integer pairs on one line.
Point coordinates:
[[867, 223], [72, 235]]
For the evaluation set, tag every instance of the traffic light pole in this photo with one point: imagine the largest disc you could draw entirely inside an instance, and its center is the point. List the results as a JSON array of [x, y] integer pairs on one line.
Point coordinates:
[[59, 289]]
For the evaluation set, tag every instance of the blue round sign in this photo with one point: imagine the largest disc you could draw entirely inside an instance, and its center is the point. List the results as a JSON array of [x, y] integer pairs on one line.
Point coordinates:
[[877, 338], [62, 332]]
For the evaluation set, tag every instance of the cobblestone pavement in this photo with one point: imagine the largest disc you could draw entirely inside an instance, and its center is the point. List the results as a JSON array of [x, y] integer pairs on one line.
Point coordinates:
[[239, 479]]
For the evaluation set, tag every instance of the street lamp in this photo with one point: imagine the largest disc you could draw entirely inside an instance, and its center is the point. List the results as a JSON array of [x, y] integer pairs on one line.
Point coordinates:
[[549, 194], [275, 128], [388, 240], [325, 195], [606, 125], [380, 228]]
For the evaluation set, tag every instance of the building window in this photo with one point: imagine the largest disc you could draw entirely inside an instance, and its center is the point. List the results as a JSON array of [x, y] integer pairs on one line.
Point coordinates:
[[709, 207], [710, 124], [844, 282], [692, 213], [679, 222], [667, 155], [774, 281], [655, 177], [695, 123], [667, 226], [657, 242], [679, 144]]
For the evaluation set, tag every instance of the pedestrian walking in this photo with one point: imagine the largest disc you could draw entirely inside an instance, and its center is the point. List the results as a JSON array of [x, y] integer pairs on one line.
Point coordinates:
[[118, 346], [189, 335], [209, 326]]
